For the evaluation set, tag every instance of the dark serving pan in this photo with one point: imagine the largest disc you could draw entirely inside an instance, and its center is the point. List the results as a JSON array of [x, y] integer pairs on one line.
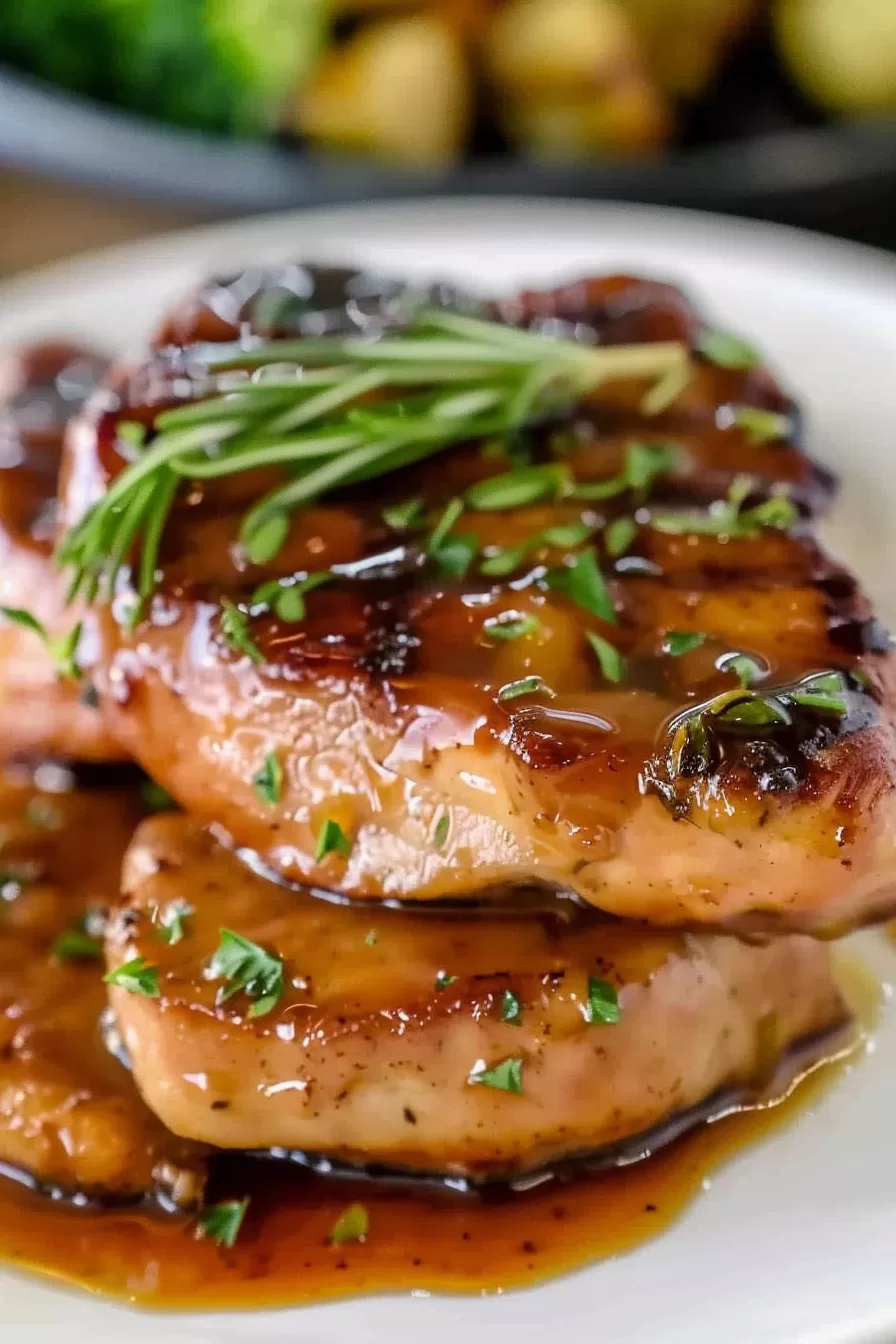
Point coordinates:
[[841, 178]]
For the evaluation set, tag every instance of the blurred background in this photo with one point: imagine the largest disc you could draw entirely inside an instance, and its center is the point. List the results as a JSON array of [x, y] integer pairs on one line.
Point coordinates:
[[119, 118]]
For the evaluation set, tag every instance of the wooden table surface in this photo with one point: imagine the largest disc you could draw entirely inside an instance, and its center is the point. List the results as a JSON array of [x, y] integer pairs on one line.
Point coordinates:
[[44, 221]]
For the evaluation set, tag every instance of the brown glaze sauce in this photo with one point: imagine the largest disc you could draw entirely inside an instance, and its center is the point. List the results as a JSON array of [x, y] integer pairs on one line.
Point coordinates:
[[418, 1241]]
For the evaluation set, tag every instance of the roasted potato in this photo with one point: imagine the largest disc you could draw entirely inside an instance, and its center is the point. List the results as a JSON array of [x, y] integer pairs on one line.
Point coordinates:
[[842, 53], [400, 88], [570, 79], [684, 41]]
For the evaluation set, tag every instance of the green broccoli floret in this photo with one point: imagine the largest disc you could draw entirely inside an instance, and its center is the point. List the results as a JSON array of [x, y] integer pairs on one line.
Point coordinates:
[[217, 65]]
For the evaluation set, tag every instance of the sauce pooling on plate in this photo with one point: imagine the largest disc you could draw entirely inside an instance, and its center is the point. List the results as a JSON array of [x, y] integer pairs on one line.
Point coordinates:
[[416, 1241]]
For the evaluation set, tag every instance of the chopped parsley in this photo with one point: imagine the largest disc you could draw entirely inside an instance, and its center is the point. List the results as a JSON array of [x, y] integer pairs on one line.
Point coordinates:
[[726, 350], [679, 642], [644, 462], [583, 582], [76, 945], [752, 711], [286, 598], [619, 535], [825, 692], [504, 1077], [510, 625], [266, 540], [235, 630], [370, 939], [561, 535], [747, 670], [443, 980], [525, 686], [332, 839], [511, 1008], [137, 976], [172, 919], [246, 968], [221, 1223], [456, 554], [726, 517], [524, 485], [268, 782], [612, 663], [61, 648], [761, 426], [405, 516], [453, 511], [352, 1225], [603, 1003], [443, 826]]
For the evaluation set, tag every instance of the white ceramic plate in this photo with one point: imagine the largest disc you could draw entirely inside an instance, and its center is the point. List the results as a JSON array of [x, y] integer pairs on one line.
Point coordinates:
[[794, 1240]]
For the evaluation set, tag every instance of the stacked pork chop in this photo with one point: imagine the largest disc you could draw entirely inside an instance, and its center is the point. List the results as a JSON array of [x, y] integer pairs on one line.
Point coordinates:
[[490, 755]]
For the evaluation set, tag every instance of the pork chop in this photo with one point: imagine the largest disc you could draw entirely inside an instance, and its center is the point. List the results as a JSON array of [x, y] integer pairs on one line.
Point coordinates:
[[41, 712], [668, 702], [71, 1120], [482, 1048]]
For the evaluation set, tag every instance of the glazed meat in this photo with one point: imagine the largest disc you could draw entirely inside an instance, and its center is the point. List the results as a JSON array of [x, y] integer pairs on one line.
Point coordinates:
[[71, 1120], [40, 713], [708, 740], [428, 1042]]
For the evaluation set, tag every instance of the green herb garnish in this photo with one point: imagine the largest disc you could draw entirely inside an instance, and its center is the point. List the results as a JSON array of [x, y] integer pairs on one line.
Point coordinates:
[[453, 378], [612, 663], [583, 582], [727, 517], [644, 462], [747, 670], [370, 938], [443, 826], [825, 692], [509, 625], [221, 1223], [525, 686], [137, 976], [751, 711], [332, 839], [619, 535], [76, 945], [268, 781], [172, 921], [352, 1225], [443, 980], [509, 558], [456, 554], [406, 516], [726, 350], [603, 1003], [511, 1008], [679, 642], [505, 1077], [60, 648], [286, 597], [761, 426], [246, 968], [235, 630], [524, 485]]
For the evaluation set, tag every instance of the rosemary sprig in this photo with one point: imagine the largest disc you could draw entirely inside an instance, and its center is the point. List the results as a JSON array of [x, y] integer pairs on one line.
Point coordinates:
[[355, 410]]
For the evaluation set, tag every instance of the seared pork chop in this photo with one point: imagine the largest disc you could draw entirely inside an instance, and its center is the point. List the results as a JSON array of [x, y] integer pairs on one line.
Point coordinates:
[[430, 1043], [675, 709], [41, 713], [71, 1119]]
